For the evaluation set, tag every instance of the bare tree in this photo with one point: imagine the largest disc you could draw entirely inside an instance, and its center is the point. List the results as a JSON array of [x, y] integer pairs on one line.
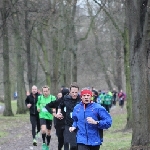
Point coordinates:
[[139, 19], [6, 77]]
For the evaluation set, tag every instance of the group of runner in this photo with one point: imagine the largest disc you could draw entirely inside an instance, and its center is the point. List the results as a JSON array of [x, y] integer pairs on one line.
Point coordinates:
[[109, 98], [78, 119]]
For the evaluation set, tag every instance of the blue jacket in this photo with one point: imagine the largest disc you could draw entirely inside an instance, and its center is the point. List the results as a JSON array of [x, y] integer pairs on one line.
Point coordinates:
[[88, 134]]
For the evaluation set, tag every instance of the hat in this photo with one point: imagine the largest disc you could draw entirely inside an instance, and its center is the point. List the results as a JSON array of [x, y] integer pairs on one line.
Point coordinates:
[[65, 92], [86, 91]]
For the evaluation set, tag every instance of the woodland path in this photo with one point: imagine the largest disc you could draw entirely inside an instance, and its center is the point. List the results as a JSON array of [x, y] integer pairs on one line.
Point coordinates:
[[20, 138]]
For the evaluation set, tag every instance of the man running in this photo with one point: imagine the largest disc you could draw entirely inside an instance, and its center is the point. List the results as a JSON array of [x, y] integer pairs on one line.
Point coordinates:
[[68, 104], [45, 116], [30, 102], [89, 118]]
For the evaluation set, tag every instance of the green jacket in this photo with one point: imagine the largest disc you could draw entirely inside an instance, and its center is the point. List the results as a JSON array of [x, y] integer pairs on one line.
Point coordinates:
[[107, 99], [41, 103], [102, 98]]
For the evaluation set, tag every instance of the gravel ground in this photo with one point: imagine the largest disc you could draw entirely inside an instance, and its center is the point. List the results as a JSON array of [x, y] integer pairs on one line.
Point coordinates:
[[21, 139]]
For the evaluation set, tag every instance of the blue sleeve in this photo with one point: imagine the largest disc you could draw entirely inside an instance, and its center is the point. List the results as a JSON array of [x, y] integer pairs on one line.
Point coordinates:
[[105, 119], [74, 117]]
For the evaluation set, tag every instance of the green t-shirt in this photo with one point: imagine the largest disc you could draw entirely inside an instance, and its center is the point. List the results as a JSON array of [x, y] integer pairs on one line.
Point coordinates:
[[41, 103], [102, 98], [107, 99]]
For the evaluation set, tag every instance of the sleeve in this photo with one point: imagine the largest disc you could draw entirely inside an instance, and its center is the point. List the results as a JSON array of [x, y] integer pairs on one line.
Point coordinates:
[[27, 100], [38, 102], [53, 98], [61, 105], [74, 117], [52, 104], [105, 119]]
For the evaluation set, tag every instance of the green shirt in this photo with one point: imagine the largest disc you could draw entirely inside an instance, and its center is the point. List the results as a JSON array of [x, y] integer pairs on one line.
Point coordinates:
[[41, 103], [102, 98], [107, 99]]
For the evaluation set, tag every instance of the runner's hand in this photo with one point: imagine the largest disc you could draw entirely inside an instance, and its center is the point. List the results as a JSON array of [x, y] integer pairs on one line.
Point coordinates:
[[91, 120], [29, 105], [59, 116], [71, 129]]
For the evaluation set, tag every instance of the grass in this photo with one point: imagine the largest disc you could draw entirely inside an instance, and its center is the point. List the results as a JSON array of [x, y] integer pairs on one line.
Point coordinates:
[[10, 122], [115, 138]]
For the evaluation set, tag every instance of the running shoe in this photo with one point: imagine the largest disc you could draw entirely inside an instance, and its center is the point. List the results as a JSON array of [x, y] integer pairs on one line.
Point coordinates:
[[37, 135], [44, 146], [47, 148], [34, 142]]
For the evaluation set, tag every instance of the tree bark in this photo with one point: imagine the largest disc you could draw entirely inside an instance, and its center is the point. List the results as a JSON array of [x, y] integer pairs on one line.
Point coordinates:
[[21, 109], [6, 77], [138, 23], [27, 44]]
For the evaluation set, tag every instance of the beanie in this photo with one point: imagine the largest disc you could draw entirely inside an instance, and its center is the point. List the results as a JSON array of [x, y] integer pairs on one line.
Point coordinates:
[[86, 91], [65, 92]]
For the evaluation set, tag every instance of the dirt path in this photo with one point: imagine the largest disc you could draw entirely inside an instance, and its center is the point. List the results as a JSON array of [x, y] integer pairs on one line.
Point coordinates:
[[21, 139]]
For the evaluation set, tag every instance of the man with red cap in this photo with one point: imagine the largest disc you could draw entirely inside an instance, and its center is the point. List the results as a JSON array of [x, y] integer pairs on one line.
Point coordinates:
[[89, 118]]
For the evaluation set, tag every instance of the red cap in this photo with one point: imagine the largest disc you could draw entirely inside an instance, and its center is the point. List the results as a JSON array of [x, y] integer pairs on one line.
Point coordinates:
[[86, 91]]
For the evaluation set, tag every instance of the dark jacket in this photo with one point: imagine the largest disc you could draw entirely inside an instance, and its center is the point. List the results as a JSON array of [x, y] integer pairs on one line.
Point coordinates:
[[31, 100], [68, 105], [55, 104]]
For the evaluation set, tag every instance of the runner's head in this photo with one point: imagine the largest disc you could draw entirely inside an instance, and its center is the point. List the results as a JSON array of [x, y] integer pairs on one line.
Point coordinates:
[[74, 89], [46, 91]]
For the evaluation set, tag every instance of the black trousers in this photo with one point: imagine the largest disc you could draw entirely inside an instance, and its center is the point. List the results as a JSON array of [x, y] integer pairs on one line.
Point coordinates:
[[60, 134], [35, 122], [88, 147]]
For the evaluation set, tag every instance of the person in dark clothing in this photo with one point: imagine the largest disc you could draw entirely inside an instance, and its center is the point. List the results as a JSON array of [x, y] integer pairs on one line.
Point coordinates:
[[59, 123], [114, 97], [30, 102], [95, 95], [68, 105]]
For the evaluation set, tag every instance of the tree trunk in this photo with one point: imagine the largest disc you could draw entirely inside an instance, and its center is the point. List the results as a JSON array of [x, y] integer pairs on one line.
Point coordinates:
[[127, 73], [119, 68], [138, 21], [74, 46], [6, 77], [27, 43], [21, 109]]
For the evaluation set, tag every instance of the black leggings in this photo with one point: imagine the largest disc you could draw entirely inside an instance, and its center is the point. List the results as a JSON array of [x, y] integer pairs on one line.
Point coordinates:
[[59, 133], [35, 122], [88, 147]]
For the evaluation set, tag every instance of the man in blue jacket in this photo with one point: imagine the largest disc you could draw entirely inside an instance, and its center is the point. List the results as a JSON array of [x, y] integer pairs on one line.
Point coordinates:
[[89, 118]]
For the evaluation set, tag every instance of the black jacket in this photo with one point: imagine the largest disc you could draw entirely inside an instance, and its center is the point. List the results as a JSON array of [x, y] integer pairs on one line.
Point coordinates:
[[31, 100], [68, 103], [55, 104]]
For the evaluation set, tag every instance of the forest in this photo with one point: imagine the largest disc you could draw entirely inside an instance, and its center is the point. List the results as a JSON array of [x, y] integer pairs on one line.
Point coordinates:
[[97, 43]]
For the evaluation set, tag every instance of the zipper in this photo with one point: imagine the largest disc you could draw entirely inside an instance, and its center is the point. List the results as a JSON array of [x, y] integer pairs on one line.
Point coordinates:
[[85, 124], [34, 106]]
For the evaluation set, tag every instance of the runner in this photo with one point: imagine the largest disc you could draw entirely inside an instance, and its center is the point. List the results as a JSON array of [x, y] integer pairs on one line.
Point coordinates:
[[89, 118], [45, 116], [30, 102], [59, 123], [68, 105]]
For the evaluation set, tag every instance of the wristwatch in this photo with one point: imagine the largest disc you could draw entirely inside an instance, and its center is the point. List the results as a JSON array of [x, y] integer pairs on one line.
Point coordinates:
[[97, 122]]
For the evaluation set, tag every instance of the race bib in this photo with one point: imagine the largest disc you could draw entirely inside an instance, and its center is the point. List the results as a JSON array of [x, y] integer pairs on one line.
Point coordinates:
[[64, 109], [44, 109], [71, 114]]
